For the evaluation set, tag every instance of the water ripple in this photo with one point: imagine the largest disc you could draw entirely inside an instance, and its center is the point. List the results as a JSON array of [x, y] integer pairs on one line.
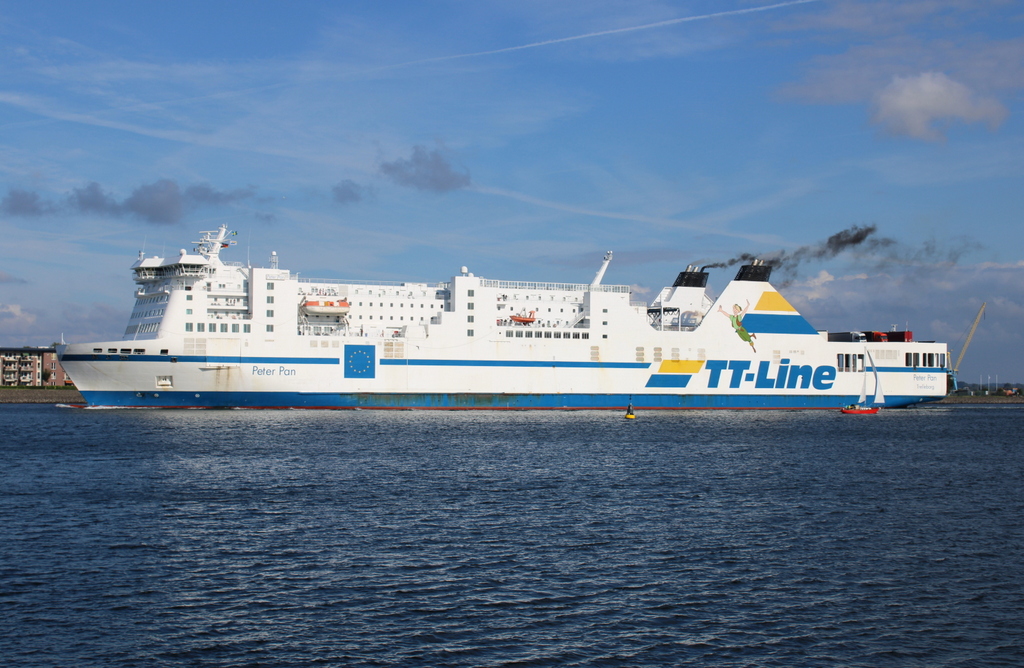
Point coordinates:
[[242, 538]]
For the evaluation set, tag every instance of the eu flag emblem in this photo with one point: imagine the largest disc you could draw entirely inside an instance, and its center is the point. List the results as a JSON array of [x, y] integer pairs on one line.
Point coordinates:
[[360, 362]]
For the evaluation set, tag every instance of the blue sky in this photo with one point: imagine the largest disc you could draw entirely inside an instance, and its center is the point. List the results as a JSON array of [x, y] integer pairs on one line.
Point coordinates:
[[401, 140]]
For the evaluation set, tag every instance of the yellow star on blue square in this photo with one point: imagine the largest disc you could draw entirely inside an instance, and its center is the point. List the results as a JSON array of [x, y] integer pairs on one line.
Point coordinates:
[[360, 362]]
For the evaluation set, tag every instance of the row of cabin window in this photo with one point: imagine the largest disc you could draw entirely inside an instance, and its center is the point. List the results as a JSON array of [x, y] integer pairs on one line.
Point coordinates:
[[145, 328], [401, 317], [152, 313], [201, 327], [926, 360], [854, 363], [529, 334]]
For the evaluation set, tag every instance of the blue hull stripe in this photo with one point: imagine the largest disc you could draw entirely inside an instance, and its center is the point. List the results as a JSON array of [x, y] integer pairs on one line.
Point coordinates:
[[439, 401], [770, 323], [517, 363], [200, 359]]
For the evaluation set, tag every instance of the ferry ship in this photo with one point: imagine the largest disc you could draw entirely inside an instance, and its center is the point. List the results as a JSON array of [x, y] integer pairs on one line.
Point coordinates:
[[207, 333]]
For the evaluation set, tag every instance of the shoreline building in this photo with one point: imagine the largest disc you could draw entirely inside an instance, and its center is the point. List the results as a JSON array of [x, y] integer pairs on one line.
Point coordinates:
[[33, 367]]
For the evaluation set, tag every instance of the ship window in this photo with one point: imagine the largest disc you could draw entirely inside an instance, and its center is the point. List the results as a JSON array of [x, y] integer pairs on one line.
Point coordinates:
[[188, 298], [909, 361], [604, 336], [188, 327], [97, 350], [604, 310], [942, 359], [270, 313], [270, 299], [139, 351], [604, 322], [200, 327], [111, 350], [188, 311], [245, 329], [558, 335], [469, 305], [270, 328], [575, 335], [529, 335], [469, 332], [164, 351], [470, 293], [469, 318], [224, 327], [917, 360], [585, 335], [519, 333], [234, 329], [270, 286], [547, 335]]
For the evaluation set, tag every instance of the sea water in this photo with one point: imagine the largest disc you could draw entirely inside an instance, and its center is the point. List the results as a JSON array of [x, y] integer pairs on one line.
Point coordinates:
[[386, 538]]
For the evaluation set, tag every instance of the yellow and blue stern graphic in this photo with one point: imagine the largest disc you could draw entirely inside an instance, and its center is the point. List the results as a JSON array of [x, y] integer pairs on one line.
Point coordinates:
[[675, 373]]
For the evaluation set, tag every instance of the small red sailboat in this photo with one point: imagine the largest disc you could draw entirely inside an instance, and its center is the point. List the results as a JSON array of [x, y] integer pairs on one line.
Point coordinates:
[[856, 408], [523, 319]]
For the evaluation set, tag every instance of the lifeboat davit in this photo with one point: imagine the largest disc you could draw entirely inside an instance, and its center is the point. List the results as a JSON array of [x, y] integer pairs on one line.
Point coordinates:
[[523, 319], [337, 307]]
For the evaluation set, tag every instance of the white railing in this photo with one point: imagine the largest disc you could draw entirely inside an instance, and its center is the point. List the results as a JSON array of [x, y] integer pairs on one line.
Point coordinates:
[[562, 287]]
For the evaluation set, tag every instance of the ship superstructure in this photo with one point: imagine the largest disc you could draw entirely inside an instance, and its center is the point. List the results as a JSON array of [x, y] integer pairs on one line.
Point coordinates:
[[210, 333]]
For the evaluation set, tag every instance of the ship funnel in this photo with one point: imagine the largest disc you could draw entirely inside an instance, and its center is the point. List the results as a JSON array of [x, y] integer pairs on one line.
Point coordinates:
[[693, 277], [757, 270]]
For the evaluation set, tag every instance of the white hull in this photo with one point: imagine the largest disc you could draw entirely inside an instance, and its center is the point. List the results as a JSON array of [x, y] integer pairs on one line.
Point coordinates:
[[227, 335]]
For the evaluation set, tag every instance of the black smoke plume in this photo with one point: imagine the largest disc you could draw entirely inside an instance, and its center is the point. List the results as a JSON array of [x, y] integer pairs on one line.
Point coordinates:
[[857, 237]]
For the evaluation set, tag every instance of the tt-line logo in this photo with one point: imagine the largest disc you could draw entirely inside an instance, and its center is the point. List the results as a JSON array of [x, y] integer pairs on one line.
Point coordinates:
[[739, 373]]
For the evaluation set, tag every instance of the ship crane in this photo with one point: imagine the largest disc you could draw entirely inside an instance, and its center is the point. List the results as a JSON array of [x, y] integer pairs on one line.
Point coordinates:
[[970, 335]]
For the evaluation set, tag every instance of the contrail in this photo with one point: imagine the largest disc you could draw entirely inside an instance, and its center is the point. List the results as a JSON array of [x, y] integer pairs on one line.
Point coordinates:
[[533, 45], [602, 33]]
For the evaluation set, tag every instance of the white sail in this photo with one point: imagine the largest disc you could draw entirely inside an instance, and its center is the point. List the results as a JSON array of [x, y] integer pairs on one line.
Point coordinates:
[[863, 386], [879, 396]]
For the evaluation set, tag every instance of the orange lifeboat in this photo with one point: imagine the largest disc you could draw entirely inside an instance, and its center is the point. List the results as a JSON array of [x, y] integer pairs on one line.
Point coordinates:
[[523, 319], [337, 307]]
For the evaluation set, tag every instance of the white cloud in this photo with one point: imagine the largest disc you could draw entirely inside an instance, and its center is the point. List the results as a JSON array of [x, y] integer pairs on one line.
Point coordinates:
[[913, 105], [14, 320]]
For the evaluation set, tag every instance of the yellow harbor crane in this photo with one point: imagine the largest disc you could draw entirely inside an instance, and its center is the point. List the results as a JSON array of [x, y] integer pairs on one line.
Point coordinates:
[[970, 335]]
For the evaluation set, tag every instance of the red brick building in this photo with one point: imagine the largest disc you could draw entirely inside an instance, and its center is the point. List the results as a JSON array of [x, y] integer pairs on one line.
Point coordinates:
[[31, 366]]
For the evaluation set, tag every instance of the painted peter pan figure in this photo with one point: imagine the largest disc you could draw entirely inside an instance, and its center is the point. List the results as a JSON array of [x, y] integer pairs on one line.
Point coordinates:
[[736, 319]]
